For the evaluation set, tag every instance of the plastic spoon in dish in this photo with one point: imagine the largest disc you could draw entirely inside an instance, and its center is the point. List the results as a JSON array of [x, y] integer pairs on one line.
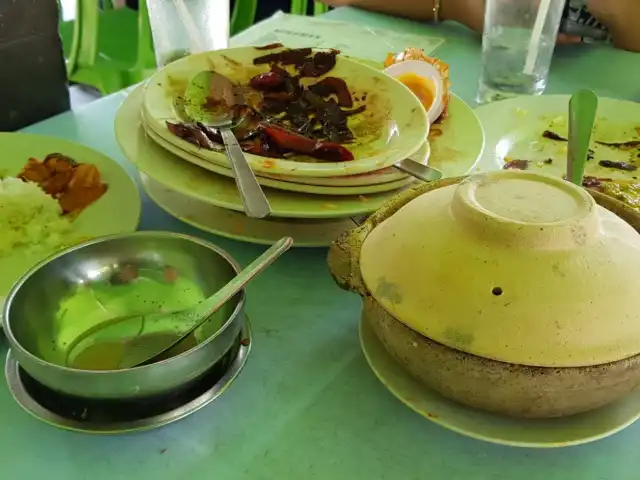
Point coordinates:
[[582, 115], [136, 351], [209, 99]]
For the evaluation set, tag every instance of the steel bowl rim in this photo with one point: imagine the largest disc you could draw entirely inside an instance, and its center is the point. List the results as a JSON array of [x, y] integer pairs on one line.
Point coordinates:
[[15, 344]]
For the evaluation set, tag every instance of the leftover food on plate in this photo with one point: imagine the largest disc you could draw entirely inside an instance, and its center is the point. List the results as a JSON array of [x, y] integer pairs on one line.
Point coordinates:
[[30, 219], [38, 206], [74, 185], [627, 192], [286, 111], [627, 145], [625, 188]]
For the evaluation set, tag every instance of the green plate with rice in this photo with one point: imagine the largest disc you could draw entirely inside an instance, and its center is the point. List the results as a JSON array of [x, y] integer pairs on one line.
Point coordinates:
[[31, 228]]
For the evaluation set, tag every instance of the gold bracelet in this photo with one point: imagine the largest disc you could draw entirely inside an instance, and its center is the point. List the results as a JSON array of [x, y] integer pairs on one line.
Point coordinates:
[[436, 11]]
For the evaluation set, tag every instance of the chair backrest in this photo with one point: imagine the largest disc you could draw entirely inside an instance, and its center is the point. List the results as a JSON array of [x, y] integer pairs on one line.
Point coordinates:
[[34, 80], [301, 7], [320, 8], [243, 16], [244, 12], [84, 48]]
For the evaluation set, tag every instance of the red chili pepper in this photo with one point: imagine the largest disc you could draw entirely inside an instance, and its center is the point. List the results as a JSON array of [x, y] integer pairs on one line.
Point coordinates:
[[270, 46], [332, 152], [288, 140], [267, 81]]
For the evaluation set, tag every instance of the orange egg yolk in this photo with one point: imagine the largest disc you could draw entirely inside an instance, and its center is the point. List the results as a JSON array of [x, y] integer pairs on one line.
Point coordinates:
[[421, 87]]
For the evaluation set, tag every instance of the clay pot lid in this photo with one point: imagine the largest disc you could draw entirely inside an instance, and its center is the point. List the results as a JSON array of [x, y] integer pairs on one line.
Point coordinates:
[[513, 266]]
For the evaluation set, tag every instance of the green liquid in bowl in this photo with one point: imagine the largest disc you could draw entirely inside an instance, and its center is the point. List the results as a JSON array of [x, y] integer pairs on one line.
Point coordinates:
[[99, 302]]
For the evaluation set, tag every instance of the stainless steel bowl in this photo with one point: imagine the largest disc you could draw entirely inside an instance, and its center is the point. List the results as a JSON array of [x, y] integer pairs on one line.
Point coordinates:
[[38, 329]]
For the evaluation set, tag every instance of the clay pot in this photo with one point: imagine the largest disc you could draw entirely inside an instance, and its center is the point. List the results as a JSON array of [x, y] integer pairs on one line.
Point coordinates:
[[540, 346]]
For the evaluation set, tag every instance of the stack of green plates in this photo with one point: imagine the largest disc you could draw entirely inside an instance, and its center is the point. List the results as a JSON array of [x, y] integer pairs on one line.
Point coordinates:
[[314, 200]]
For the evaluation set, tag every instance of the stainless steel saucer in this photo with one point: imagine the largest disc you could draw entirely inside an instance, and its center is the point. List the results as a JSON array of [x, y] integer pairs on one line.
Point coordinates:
[[114, 417]]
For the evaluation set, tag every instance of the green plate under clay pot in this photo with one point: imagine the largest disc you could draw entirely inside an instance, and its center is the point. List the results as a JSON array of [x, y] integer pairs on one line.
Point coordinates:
[[490, 427]]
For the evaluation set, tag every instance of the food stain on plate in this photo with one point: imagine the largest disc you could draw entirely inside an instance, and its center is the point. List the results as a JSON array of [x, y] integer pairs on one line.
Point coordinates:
[[330, 206], [289, 113], [612, 164]]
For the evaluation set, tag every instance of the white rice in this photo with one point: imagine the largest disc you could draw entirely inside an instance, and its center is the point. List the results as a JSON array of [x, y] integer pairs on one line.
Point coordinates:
[[30, 219]]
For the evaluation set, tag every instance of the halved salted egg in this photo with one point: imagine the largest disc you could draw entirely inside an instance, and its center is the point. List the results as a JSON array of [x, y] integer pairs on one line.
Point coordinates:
[[427, 78]]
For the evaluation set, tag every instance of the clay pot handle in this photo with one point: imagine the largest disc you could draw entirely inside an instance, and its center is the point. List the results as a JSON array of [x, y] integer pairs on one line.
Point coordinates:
[[344, 259], [344, 253], [621, 209]]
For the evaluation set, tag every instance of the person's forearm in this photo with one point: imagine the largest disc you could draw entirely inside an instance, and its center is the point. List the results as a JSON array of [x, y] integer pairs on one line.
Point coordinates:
[[466, 12], [627, 41], [621, 17], [462, 11], [422, 10], [626, 36]]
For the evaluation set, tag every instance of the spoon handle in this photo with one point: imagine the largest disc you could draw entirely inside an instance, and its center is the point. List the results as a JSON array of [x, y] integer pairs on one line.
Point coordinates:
[[222, 296], [582, 114], [255, 202], [418, 170], [191, 319]]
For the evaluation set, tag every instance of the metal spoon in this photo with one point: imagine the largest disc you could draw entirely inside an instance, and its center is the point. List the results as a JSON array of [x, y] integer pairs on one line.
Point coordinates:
[[418, 170], [217, 93], [136, 352], [582, 114]]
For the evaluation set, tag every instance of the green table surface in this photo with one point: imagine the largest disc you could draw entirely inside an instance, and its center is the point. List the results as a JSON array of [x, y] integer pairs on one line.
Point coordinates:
[[307, 406]]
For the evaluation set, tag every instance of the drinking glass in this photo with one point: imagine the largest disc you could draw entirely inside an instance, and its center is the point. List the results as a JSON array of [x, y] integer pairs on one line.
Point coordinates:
[[517, 45], [183, 27]]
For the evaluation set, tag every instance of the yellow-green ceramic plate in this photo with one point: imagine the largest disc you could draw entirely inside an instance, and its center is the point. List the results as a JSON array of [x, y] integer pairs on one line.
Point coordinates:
[[280, 184], [377, 177], [190, 180], [457, 141], [514, 128], [385, 176], [236, 225], [117, 211], [392, 128], [489, 427]]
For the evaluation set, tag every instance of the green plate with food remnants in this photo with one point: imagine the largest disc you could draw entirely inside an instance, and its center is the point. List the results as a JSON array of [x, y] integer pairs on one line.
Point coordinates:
[[55, 193], [530, 133], [194, 182], [313, 113]]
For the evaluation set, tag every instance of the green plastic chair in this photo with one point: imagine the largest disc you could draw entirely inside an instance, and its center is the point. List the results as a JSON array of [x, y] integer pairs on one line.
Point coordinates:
[[98, 46], [243, 15], [244, 12], [320, 8], [299, 7], [98, 43]]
